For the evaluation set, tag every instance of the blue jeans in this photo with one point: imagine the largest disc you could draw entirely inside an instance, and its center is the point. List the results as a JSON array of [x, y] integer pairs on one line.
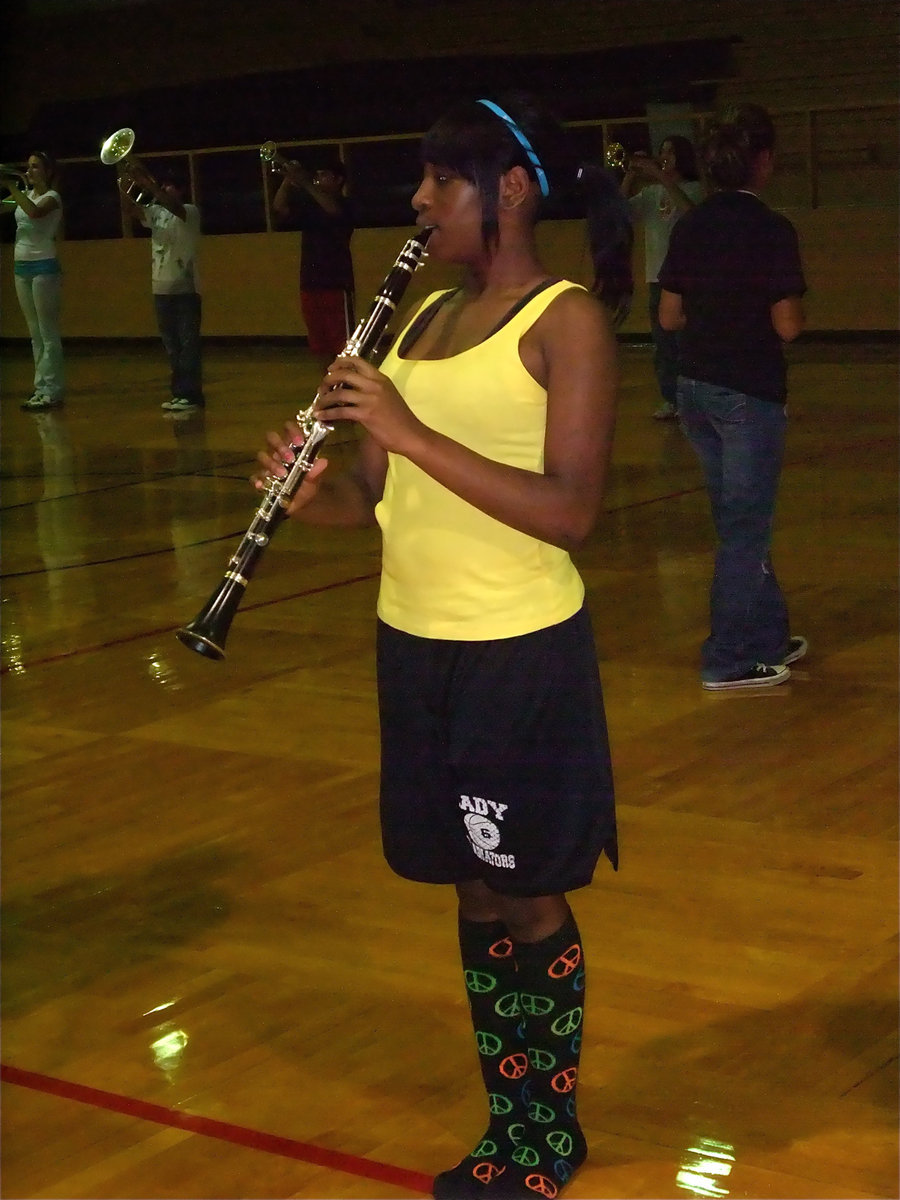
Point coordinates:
[[178, 317], [40, 300], [740, 442], [665, 349]]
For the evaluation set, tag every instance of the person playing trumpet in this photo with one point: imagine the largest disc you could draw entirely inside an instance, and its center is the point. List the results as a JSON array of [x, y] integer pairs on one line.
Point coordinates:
[[326, 266], [38, 274], [174, 228], [658, 193]]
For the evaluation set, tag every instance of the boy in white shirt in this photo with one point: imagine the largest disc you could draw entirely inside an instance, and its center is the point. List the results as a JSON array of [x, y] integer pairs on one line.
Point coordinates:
[[175, 235]]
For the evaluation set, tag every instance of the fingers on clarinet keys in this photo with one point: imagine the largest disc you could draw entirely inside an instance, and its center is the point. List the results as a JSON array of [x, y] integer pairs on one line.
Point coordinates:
[[274, 463], [280, 448]]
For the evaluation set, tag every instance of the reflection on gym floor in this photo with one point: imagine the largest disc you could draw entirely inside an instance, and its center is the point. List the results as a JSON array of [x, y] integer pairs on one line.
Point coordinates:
[[213, 985]]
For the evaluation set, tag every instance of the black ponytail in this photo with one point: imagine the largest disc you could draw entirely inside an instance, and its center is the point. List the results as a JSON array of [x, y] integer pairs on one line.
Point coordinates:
[[610, 237], [732, 144]]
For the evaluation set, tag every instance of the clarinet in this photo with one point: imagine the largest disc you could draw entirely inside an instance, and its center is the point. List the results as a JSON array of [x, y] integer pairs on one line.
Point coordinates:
[[207, 632]]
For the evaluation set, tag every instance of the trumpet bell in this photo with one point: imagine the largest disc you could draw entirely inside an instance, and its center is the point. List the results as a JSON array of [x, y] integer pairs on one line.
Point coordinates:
[[268, 151], [616, 156], [117, 147]]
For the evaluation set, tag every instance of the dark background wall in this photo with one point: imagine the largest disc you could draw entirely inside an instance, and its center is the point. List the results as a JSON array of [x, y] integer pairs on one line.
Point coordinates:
[[196, 74], [215, 72]]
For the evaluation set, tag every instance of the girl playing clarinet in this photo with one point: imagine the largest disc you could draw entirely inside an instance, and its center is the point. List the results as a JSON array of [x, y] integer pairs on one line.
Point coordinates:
[[486, 442]]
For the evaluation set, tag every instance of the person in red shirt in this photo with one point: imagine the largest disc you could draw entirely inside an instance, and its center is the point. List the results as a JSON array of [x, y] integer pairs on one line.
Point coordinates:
[[326, 265]]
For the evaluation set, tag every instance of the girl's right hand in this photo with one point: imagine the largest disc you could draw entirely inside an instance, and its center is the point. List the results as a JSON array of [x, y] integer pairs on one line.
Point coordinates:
[[276, 460]]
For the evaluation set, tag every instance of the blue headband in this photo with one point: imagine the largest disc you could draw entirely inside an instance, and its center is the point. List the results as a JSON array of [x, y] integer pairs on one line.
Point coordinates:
[[523, 142]]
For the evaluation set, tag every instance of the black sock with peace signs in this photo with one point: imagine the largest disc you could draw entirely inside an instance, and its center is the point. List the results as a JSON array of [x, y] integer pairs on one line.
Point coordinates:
[[492, 991], [551, 995]]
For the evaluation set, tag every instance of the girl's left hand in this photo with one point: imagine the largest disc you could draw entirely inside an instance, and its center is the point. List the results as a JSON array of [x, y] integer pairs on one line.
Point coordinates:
[[354, 390]]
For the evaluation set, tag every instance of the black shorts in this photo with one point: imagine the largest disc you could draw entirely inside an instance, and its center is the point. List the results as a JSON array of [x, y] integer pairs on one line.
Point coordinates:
[[495, 759]]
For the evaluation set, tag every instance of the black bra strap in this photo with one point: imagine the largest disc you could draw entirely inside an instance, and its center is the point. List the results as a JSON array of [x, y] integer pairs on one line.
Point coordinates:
[[424, 318], [520, 304], [422, 321]]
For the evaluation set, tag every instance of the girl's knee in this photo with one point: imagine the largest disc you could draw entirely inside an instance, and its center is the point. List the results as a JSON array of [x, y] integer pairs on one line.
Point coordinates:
[[528, 918], [533, 918], [476, 901]]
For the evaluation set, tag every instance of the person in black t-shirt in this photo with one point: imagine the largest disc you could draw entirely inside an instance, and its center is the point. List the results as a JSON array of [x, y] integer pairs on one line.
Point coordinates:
[[326, 266], [732, 284]]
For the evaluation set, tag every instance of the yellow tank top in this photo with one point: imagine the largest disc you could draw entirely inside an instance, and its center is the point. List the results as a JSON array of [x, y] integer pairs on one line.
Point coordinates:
[[449, 571]]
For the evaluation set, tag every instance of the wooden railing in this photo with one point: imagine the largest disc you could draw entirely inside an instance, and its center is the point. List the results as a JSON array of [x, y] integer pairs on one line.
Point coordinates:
[[827, 156]]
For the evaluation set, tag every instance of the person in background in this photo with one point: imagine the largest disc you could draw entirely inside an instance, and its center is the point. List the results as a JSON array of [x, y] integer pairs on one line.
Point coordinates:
[[175, 234], [669, 187], [733, 283], [38, 275], [609, 226], [326, 265], [487, 435]]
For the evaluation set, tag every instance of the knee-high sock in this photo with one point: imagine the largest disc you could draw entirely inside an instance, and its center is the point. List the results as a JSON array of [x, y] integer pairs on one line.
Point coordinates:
[[551, 980], [492, 990]]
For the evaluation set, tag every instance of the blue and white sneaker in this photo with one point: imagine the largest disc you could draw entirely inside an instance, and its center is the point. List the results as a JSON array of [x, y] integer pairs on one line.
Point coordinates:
[[759, 677], [797, 648]]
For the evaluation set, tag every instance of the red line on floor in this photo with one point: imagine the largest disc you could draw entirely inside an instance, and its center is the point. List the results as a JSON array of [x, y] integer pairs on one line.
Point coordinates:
[[224, 1131]]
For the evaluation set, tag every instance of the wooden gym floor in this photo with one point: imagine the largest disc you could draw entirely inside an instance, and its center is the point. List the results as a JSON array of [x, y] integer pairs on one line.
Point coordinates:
[[212, 984]]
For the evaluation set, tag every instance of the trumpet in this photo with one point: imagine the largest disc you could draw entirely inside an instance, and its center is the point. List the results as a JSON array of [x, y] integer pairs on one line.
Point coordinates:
[[7, 171], [268, 153], [11, 175], [116, 152], [616, 156], [207, 632]]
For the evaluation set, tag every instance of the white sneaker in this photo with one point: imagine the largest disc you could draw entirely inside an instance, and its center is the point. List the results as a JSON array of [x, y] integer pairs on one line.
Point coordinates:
[[665, 412], [37, 403], [170, 403], [182, 404]]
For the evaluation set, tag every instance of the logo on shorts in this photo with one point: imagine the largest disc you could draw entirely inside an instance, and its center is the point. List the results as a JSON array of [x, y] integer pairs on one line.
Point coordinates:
[[483, 833]]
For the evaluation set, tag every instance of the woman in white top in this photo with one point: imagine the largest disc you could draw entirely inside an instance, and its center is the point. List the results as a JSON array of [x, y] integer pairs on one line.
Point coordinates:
[[668, 188], [38, 276]]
